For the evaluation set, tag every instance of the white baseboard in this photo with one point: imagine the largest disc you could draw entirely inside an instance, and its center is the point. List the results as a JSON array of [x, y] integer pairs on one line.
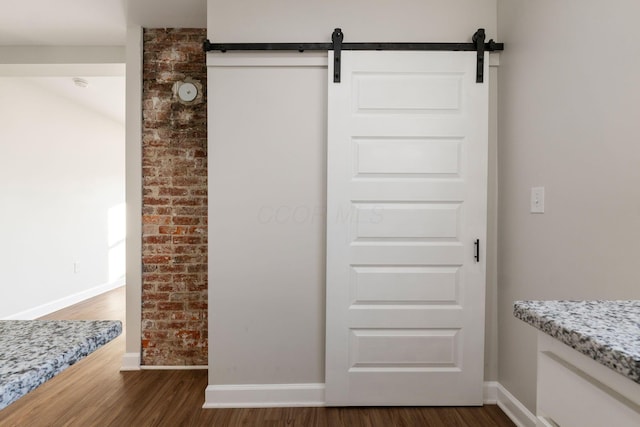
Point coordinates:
[[514, 409], [173, 367], [264, 395], [59, 304], [308, 395], [130, 362]]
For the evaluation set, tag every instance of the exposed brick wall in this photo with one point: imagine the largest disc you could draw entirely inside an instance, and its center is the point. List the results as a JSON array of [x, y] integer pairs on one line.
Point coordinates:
[[174, 202]]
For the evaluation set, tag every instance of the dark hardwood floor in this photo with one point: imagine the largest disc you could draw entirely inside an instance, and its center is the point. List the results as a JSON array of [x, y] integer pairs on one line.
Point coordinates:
[[93, 392]]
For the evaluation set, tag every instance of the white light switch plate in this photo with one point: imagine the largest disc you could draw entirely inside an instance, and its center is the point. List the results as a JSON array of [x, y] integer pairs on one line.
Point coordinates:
[[537, 200]]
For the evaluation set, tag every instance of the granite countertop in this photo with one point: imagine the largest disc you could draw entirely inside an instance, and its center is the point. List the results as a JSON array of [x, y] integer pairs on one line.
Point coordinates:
[[33, 351], [606, 331]]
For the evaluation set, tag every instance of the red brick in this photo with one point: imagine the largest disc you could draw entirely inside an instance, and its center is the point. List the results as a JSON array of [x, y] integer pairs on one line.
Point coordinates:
[[187, 201], [200, 192], [187, 240], [187, 220], [148, 305], [155, 314], [148, 287], [196, 287], [200, 268], [174, 232], [199, 211], [157, 249], [185, 278], [157, 278], [173, 55], [159, 335], [197, 305], [190, 249], [159, 296], [179, 315], [148, 268], [172, 325], [158, 240], [174, 268], [188, 335], [170, 306], [156, 219], [196, 230], [162, 210], [156, 201], [172, 287], [173, 191], [186, 181], [189, 259], [176, 296], [156, 259], [149, 229]]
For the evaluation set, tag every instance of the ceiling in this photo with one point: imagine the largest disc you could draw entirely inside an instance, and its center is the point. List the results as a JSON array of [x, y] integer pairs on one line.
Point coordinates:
[[49, 23], [104, 95], [92, 22]]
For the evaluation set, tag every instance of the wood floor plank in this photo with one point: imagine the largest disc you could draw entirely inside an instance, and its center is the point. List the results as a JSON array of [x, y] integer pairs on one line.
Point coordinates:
[[94, 392]]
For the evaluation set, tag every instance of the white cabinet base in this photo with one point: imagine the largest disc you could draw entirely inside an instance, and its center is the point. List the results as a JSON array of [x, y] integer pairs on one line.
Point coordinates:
[[574, 390]]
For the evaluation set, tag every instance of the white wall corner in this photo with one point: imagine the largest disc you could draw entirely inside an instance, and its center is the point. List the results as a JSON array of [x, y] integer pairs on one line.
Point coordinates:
[[490, 392], [264, 395], [133, 190], [513, 408], [130, 362], [494, 59]]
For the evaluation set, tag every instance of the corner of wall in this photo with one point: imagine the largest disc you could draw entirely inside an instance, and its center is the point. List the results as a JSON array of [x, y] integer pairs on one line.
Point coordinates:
[[495, 394], [133, 189], [514, 409], [130, 362]]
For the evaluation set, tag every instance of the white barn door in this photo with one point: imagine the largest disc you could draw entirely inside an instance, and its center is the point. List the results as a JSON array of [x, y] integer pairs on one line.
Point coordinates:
[[406, 201]]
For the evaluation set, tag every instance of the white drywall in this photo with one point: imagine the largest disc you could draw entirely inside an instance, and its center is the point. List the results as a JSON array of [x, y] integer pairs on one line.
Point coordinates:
[[133, 100], [266, 225], [267, 175], [62, 195], [569, 109], [360, 20], [70, 56]]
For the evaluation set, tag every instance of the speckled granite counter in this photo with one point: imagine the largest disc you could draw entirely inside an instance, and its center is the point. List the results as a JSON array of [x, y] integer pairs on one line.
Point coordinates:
[[33, 351], [606, 331]]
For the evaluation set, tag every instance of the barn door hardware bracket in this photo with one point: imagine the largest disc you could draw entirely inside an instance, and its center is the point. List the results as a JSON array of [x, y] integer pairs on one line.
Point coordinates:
[[337, 45], [337, 38], [478, 40], [476, 251]]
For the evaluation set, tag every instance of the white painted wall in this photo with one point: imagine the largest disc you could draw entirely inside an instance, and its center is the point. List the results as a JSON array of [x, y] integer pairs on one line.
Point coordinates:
[[267, 164], [62, 174], [360, 20], [266, 225], [568, 120], [133, 101], [88, 57]]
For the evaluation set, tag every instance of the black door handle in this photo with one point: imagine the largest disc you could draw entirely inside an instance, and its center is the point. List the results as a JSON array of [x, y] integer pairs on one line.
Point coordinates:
[[477, 250]]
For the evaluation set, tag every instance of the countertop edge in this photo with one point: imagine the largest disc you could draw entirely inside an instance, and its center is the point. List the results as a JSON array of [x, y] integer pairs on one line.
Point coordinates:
[[571, 337]]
